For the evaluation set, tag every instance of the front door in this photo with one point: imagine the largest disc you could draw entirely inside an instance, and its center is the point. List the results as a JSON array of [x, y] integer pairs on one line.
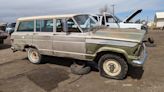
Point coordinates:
[[70, 43], [111, 22]]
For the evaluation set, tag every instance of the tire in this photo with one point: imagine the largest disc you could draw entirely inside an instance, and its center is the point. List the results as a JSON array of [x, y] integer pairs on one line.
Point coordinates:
[[113, 66], [34, 56], [80, 69]]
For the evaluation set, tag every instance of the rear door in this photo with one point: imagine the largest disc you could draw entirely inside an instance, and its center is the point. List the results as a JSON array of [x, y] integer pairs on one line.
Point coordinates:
[[43, 36]]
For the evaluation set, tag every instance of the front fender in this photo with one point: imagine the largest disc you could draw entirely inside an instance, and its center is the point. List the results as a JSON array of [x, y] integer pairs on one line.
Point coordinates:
[[115, 50]]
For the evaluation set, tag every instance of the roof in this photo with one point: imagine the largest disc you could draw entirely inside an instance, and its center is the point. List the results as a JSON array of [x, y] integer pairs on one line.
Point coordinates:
[[159, 15], [46, 17]]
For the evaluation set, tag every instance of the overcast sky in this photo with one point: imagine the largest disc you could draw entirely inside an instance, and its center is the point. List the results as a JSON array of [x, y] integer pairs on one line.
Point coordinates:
[[12, 9]]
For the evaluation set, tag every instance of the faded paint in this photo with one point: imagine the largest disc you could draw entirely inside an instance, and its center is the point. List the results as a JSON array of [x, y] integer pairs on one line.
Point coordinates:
[[82, 45]]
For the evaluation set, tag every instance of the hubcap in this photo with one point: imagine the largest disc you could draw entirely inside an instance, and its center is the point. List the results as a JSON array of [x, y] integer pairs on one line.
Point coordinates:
[[34, 56], [111, 67]]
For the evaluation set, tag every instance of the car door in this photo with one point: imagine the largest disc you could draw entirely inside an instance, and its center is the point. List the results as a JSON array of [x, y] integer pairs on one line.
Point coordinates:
[[43, 36], [71, 43], [24, 33], [111, 22]]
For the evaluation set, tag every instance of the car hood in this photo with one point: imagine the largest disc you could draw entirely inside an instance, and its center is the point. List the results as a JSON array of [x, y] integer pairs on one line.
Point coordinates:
[[132, 16], [132, 35]]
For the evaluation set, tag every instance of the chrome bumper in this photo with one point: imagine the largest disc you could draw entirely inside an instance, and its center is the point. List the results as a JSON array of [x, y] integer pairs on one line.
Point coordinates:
[[142, 58]]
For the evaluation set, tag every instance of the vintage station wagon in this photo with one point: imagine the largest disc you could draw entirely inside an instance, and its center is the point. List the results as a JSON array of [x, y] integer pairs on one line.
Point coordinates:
[[78, 36]]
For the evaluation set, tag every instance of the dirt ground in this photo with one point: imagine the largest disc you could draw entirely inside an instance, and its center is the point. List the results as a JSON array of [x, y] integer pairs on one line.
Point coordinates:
[[18, 75]]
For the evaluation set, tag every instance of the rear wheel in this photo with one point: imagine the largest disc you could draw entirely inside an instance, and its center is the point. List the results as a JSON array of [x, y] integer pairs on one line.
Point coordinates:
[[113, 66], [34, 56]]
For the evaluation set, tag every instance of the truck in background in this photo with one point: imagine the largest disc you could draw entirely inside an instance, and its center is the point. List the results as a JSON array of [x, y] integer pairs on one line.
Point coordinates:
[[112, 21]]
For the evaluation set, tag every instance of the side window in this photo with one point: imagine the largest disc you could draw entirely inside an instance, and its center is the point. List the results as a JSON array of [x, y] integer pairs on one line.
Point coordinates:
[[69, 24], [26, 26], [110, 19], [95, 17], [59, 25], [44, 25], [72, 27]]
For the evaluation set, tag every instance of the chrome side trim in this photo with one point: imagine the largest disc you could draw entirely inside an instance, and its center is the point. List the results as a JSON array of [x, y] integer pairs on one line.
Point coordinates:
[[111, 42], [73, 53]]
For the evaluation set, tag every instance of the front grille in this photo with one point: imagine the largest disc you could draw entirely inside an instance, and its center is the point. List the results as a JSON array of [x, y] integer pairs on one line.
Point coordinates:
[[139, 50]]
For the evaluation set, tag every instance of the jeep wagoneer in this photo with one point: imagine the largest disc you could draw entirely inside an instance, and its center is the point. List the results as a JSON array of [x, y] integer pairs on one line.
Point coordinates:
[[78, 36]]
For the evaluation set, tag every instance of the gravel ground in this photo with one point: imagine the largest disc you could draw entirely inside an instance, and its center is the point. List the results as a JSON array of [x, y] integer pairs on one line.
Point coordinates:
[[18, 75]]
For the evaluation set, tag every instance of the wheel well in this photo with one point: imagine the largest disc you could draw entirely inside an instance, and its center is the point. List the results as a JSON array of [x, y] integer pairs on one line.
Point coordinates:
[[28, 46], [98, 56]]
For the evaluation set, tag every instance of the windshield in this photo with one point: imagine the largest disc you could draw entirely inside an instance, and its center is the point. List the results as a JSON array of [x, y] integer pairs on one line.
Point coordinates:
[[85, 22], [12, 25], [118, 20], [112, 19]]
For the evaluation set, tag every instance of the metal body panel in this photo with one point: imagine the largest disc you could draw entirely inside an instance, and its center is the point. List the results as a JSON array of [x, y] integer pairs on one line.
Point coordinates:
[[69, 45], [130, 35], [43, 42], [94, 49], [22, 38]]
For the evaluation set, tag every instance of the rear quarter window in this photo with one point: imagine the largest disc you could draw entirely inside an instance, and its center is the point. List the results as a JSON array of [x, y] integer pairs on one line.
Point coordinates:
[[26, 26]]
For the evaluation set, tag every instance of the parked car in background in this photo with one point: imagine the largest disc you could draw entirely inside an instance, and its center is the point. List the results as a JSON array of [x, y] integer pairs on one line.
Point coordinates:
[[77, 36], [3, 34], [10, 28]]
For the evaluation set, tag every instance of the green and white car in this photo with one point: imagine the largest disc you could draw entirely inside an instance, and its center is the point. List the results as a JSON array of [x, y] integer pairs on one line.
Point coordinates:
[[78, 36]]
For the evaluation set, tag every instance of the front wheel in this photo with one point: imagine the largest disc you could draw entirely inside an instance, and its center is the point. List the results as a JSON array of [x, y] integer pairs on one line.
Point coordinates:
[[113, 66], [34, 56]]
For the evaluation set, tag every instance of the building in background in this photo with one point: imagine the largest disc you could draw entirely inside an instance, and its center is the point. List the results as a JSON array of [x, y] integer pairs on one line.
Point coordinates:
[[151, 25], [159, 20]]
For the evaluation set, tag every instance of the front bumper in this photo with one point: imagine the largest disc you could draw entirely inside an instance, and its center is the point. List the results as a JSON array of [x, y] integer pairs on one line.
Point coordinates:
[[142, 58]]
